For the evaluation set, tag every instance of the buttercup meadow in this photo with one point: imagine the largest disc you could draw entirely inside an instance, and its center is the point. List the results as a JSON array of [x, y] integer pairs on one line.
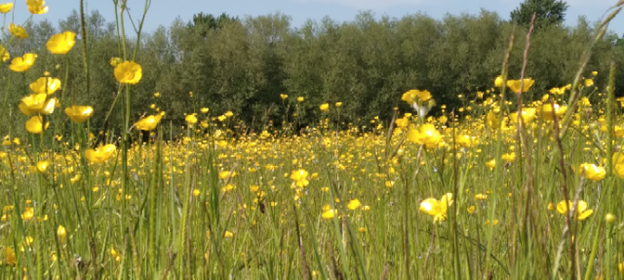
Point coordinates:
[[507, 181]]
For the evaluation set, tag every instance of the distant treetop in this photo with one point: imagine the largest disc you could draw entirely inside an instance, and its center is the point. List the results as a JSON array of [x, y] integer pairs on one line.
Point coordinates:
[[547, 12]]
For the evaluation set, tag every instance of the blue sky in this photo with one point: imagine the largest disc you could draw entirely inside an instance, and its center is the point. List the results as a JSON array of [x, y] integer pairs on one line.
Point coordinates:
[[164, 12]]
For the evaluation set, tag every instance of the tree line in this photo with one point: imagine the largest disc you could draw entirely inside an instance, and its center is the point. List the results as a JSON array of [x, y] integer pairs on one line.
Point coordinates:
[[243, 65]]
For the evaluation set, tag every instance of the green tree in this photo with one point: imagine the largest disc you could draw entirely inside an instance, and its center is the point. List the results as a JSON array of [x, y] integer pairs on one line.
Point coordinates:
[[547, 12]]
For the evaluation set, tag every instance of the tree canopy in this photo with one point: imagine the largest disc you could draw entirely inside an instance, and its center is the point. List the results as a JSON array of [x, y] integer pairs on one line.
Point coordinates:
[[547, 12]]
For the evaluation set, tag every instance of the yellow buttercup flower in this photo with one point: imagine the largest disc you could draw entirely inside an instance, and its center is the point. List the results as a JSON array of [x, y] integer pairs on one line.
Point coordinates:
[[32, 104], [45, 85], [42, 166], [324, 107], [328, 212], [204, 110], [338, 104], [100, 154], [6, 7], [509, 157], [4, 53], [283, 96], [35, 125], [546, 111], [353, 204], [427, 135], [466, 141], [148, 123], [300, 99], [9, 256], [61, 232], [498, 82], [61, 43], [115, 61], [589, 82], [592, 172], [37, 7], [191, 119], [581, 209], [128, 72], [437, 208], [300, 178], [416, 96], [79, 114], [514, 85], [18, 31], [23, 63], [528, 114]]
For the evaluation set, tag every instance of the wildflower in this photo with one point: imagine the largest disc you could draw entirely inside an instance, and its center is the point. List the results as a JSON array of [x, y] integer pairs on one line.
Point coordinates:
[[228, 234], [437, 208], [128, 72], [300, 99], [116, 256], [558, 90], [79, 114], [589, 82], [283, 96], [422, 101], [9, 255], [427, 135], [338, 104], [23, 63], [45, 85], [228, 114], [492, 119], [471, 209], [300, 178], [546, 111], [6, 7], [324, 107], [402, 122], [481, 196], [100, 154], [37, 103], [491, 163], [414, 96], [191, 119], [328, 212], [594, 73], [223, 175], [592, 172], [514, 85], [35, 125], [114, 61], [61, 233], [528, 114], [204, 110], [148, 123], [18, 31], [509, 157], [498, 82], [466, 141], [4, 53], [581, 209], [610, 218], [42, 166], [36, 7], [61, 43], [353, 204], [28, 213]]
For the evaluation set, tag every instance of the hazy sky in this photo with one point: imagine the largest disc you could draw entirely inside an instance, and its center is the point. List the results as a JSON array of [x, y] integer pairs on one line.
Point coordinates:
[[164, 12]]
